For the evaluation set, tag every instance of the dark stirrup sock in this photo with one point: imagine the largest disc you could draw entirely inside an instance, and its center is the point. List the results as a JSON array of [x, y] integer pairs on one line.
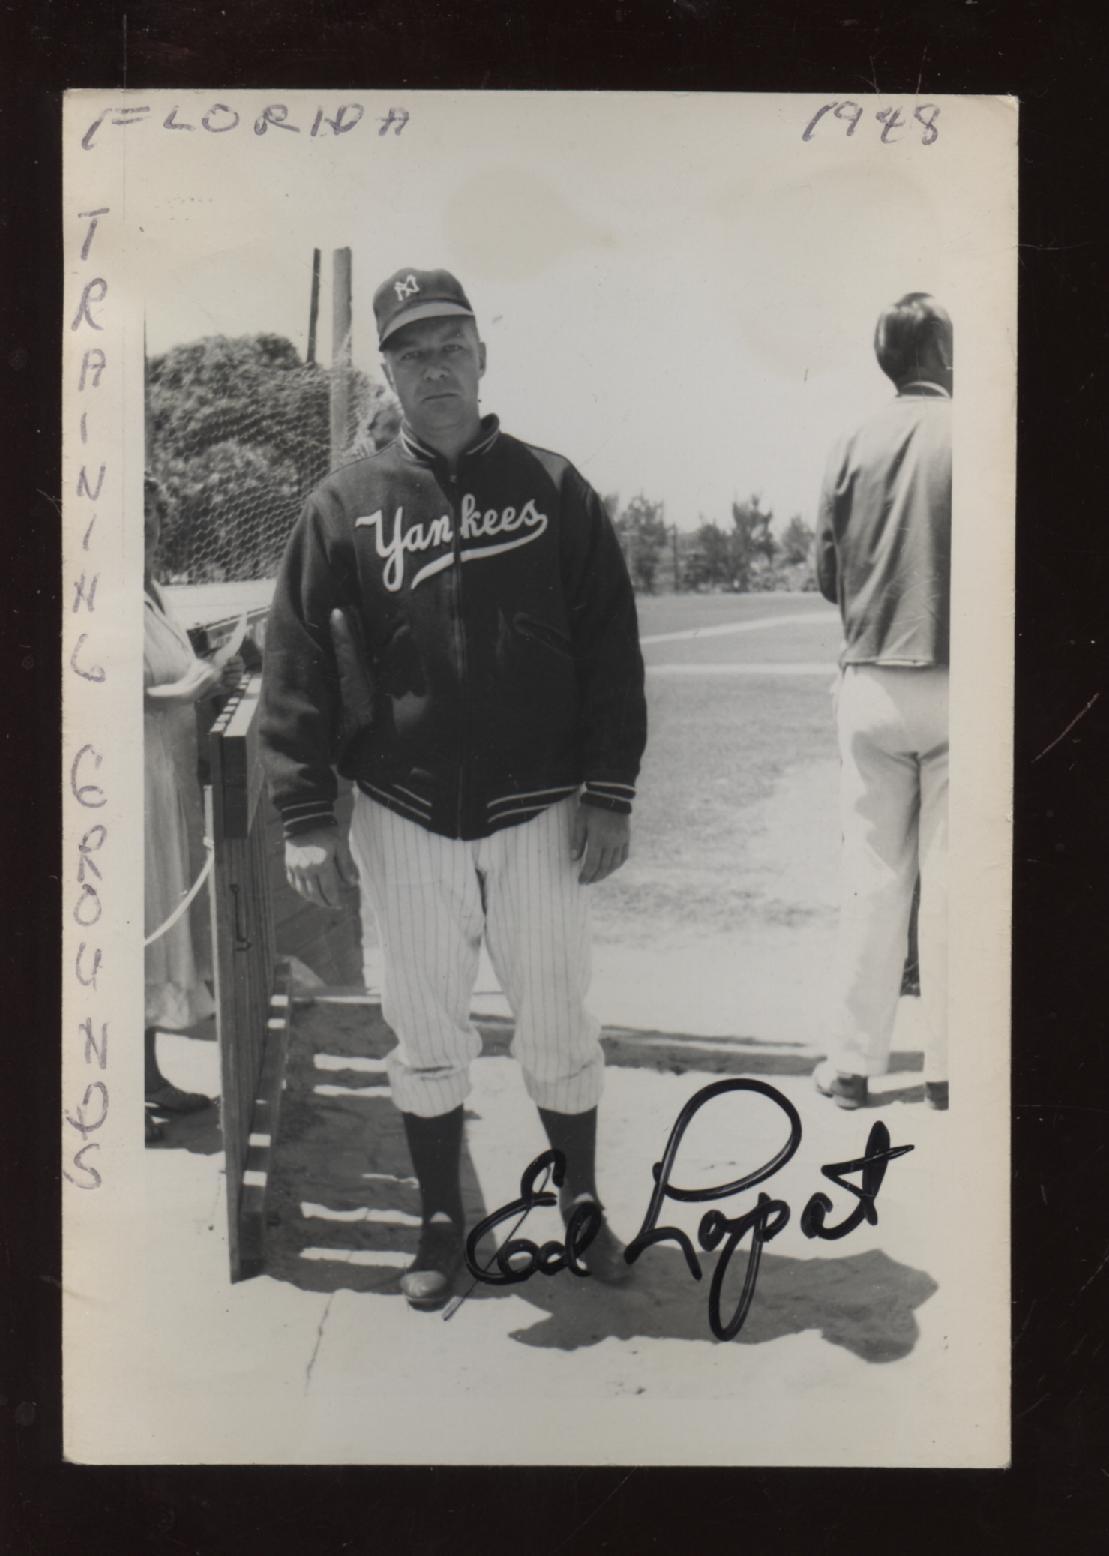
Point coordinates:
[[153, 1077], [435, 1146], [575, 1135]]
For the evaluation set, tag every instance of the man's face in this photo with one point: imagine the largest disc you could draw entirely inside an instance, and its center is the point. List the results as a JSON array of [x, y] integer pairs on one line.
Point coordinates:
[[435, 367]]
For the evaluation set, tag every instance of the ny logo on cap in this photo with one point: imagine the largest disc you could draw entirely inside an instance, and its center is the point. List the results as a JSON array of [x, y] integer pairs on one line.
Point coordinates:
[[406, 288]]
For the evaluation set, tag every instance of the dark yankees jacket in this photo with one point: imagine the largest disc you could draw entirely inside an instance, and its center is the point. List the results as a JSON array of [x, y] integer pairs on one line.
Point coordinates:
[[499, 632]]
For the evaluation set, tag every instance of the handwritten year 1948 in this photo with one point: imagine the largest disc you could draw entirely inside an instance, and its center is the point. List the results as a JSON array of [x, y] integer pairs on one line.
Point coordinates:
[[922, 122]]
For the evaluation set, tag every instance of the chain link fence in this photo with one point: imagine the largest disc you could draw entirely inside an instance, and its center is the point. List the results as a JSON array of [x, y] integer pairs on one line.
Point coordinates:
[[239, 430], [238, 433]]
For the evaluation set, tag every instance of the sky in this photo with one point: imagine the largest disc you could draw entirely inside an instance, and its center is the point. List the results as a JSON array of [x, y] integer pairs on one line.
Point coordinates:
[[676, 291]]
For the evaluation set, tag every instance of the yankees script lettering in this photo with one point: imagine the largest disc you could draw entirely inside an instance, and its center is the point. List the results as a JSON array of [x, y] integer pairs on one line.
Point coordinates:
[[474, 525]]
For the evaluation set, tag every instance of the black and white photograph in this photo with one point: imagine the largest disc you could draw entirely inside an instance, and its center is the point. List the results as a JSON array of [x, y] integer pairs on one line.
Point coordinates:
[[538, 712]]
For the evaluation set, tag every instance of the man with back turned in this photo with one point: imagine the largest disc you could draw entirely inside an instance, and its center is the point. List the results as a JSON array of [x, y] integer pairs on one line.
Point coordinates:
[[884, 555]]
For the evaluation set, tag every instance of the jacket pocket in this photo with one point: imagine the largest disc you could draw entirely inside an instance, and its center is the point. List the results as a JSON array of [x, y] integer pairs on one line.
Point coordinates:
[[542, 632]]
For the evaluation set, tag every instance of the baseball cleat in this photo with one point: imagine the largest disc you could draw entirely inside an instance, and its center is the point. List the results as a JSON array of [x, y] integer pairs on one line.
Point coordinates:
[[603, 1257], [846, 1091], [429, 1279]]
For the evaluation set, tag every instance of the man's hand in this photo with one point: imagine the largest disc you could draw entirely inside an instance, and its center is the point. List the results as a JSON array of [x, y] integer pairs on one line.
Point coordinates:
[[318, 865], [231, 673], [199, 681], [601, 840]]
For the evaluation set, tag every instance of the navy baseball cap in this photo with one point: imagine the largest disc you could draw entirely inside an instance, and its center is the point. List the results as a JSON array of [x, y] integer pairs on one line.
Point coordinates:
[[410, 295]]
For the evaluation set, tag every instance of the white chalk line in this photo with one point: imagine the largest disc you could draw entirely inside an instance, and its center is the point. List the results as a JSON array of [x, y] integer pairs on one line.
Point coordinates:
[[728, 629], [802, 667]]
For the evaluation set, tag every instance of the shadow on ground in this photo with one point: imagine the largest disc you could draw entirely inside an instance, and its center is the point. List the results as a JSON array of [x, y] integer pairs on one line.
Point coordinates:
[[343, 1207], [676, 1052], [864, 1302], [197, 1132], [343, 1214]]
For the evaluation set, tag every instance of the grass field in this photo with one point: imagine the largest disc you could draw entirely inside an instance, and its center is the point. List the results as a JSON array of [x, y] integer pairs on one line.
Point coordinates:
[[735, 817], [736, 797], [694, 612]]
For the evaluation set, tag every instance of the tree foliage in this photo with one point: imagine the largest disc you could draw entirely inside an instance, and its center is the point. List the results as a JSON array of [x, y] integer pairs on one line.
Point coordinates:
[[796, 542], [748, 555], [218, 502], [239, 434], [753, 545], [643, 535], [708, 560]]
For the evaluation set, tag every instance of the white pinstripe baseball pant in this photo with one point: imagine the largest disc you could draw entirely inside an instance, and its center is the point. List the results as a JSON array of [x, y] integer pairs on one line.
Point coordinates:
[[433, 899]]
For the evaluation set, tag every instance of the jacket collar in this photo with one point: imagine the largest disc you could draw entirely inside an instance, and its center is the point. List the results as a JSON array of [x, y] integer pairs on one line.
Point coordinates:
[[422, 454]]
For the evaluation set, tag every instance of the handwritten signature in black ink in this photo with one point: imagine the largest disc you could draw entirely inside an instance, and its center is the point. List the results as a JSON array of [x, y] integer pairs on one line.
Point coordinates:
[[519, 1258]]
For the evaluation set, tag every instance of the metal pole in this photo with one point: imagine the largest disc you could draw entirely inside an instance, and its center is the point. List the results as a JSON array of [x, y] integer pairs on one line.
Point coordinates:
[[341, 313], [674, 539], [313, 308]]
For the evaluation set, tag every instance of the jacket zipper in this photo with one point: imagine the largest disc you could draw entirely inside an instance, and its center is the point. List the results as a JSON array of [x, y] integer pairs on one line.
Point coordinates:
[[463, 667]]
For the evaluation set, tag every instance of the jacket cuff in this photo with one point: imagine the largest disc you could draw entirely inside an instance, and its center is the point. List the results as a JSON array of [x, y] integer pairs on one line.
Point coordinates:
[[608, 796], [306, 816]]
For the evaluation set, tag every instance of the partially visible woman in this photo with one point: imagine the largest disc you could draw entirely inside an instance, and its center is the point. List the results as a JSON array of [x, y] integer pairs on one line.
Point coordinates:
[[178, 962]]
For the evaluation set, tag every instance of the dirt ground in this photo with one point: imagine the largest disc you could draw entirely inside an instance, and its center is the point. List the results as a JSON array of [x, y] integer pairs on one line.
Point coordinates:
[[320, 1360], [831, 1321], [711, 962]]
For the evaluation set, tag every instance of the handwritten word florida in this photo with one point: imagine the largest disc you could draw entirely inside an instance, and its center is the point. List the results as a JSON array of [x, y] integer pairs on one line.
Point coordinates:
[[518, 1259], [222, 118]]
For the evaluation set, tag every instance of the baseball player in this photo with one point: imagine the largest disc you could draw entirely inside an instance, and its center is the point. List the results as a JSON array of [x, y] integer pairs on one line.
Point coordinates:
[[884, 554], [493, 622]]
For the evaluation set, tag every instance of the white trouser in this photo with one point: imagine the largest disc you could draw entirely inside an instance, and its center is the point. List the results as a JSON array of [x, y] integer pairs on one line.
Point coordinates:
[[893, 809], [433, 899]]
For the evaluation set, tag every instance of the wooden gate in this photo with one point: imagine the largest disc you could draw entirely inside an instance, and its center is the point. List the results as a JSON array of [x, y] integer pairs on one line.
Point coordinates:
[[253, 1004]]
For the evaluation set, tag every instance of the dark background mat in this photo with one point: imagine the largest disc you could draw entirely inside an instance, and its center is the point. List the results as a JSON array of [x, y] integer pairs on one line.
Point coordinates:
[[1052, 56]]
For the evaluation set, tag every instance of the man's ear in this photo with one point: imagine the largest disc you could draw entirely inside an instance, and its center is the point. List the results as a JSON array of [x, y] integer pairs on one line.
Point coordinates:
[[481, 358], [385, 368]]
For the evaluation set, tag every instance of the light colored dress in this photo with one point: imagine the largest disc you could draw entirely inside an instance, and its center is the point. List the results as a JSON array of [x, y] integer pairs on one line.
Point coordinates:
[[179, 961]]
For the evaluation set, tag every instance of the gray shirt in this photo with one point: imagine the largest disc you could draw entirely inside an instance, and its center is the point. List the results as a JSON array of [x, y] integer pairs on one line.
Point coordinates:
[[884, 532]]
